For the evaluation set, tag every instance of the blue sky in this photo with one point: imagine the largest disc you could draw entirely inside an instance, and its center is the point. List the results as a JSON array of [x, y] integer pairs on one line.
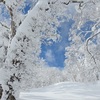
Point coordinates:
[[54, 54]]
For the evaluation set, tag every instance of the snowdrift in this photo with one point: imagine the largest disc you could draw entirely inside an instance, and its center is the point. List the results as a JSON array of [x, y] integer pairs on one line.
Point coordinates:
[[64, 91]]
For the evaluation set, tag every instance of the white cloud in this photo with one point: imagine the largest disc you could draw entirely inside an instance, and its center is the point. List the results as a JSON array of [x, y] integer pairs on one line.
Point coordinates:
[[49, 56]]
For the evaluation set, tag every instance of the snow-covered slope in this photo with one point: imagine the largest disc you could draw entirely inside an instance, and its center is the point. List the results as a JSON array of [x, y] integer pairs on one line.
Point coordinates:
[[64, 91]]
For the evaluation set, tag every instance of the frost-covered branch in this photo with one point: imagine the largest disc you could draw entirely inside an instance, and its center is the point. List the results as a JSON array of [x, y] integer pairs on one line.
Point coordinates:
[[13, 27], [4, 25], [87, 48], [85, 3], [72, 1]]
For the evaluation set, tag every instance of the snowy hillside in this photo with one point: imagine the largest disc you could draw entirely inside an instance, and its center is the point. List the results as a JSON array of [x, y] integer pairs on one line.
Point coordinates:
[[64, 91]]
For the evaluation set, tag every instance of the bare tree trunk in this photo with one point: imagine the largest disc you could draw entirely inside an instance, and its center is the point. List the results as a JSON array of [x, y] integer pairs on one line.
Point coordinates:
[[1, 91]]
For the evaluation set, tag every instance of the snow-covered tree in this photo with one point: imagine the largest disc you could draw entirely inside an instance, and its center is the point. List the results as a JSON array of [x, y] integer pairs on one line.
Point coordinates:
[[82, 56], [21, 57], [21, 37]]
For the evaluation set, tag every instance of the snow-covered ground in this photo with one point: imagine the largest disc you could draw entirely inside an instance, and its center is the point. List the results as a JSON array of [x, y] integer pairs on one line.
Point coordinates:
[[64, 91]]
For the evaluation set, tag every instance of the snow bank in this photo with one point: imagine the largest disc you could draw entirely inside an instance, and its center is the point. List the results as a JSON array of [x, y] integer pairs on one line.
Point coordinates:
[[64, 91]]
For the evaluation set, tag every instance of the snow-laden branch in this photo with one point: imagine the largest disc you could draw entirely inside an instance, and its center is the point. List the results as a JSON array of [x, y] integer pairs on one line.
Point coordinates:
[[4, 25], [73, 1], [87, 47]]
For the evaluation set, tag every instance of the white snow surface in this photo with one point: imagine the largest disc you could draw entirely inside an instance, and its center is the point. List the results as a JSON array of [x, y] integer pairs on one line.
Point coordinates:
[[64, 91]]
